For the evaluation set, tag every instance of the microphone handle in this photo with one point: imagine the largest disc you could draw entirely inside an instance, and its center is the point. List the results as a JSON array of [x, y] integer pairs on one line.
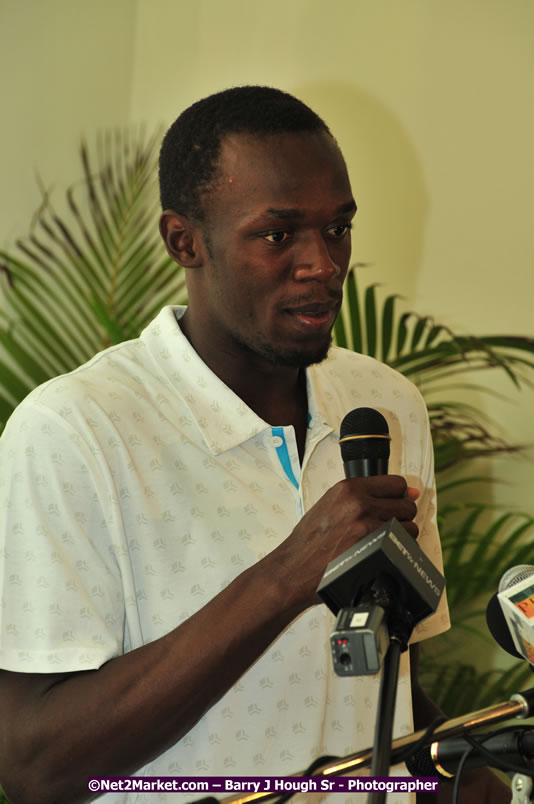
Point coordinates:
[[365, 467], [443, 757]]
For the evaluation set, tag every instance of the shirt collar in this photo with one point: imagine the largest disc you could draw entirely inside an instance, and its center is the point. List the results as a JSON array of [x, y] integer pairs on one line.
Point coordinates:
[[222, 417]]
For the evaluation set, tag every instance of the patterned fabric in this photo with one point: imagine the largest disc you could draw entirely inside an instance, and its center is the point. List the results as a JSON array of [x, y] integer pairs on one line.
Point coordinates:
[[137, 487]]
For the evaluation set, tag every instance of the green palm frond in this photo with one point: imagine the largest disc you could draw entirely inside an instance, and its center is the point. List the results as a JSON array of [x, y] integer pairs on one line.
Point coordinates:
[[435, 358], [418, 346], [459, 434], [480, 542], [458, 688], [90, 277]]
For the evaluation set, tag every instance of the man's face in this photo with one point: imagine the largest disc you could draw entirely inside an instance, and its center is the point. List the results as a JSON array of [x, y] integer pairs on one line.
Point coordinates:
[[278, 241]]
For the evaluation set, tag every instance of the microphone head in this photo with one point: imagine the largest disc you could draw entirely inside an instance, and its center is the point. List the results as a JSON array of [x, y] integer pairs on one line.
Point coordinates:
[[421, 764], [515, 575], [364, 434]]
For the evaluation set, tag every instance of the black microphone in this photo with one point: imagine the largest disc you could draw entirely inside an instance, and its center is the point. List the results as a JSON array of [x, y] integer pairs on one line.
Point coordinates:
[[361, 637], [383, 579], [443, 757], [364, 442]]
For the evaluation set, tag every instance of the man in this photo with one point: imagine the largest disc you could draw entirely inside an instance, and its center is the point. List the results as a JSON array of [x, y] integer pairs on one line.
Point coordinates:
[[171, 506]]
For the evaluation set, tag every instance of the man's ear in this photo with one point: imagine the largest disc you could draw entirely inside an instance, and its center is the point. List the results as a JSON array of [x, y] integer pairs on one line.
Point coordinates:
[[181, 238]]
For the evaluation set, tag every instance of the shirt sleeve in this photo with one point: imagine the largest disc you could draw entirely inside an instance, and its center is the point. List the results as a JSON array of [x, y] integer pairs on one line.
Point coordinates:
[[429, 539], [61, 601]]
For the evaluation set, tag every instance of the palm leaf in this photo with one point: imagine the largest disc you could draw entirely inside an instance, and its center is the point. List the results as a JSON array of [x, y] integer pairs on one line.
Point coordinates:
[[388, 321], [371, 320], [92, 276], [455, 483], [458, 688], [479, 543], [432, 355]]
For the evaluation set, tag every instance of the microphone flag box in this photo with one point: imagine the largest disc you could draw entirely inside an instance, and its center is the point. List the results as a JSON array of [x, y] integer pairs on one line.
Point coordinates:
[[517, 604], [391, 551]]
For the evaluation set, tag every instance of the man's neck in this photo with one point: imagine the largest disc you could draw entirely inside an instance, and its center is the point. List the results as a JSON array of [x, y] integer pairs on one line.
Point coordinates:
[[276, 393], [283, 403]]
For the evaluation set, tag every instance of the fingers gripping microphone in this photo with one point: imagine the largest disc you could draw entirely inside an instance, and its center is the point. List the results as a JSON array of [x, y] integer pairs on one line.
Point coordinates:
[[360, 639], [384, 584]]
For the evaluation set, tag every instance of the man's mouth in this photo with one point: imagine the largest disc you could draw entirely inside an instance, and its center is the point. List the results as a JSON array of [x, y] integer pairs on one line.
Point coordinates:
[[315, 315]]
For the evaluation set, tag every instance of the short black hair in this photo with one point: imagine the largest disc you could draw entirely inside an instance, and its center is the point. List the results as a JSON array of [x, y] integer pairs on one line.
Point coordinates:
[[191, 146]]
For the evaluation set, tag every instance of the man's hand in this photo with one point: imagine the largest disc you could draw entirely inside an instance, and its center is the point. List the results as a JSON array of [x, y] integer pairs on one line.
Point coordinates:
[[347, 513]]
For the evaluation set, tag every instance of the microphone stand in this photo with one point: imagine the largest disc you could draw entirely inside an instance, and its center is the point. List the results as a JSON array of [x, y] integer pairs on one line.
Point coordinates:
[[381, 759], [400, 624], [403, 588], [520, 705]]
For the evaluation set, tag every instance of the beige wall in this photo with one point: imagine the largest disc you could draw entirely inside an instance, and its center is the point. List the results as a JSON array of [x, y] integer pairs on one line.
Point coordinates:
[[65, 70], [431, 101]]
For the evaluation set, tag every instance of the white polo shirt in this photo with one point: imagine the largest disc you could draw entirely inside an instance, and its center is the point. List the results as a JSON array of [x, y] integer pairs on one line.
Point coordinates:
[[135, 488]]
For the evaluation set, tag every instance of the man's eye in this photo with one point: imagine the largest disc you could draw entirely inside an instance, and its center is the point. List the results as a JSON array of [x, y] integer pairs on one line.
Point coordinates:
[[276, 237], [340, 230]]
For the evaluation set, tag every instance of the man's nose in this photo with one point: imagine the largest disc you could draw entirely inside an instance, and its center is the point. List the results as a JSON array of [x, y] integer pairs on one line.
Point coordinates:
[[314, 260]]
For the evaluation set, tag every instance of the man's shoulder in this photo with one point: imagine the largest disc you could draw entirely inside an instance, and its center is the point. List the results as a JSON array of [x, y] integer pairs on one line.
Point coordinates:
[[340, 360], [126, 368], [91, 378], [348, 379]]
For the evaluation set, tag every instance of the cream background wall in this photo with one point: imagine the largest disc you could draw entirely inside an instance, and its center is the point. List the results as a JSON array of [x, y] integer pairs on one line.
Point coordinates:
[[431, 101], [65, 70]]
